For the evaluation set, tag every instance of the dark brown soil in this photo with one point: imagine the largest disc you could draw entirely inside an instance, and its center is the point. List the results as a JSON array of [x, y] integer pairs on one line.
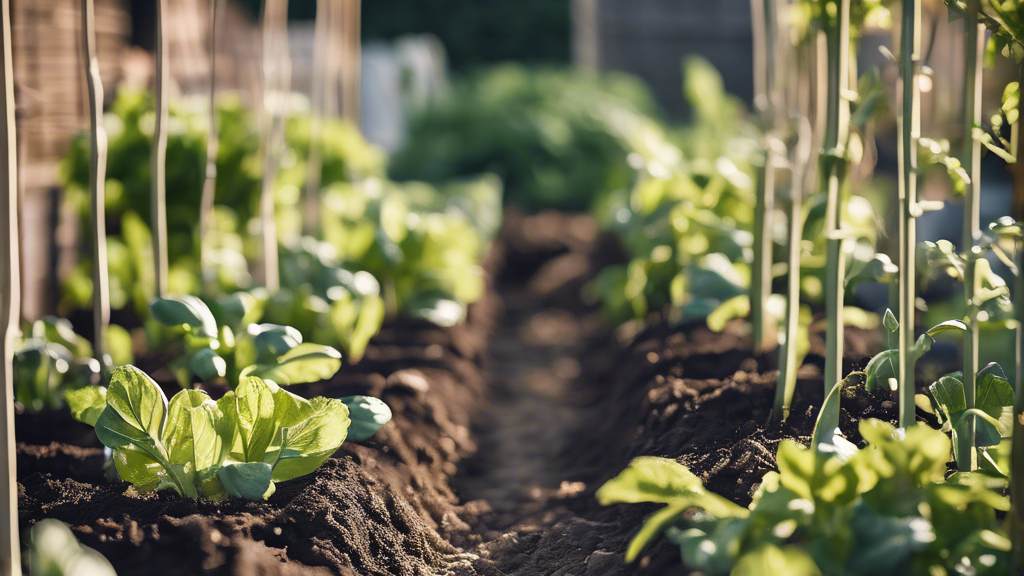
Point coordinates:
[[503, 429]]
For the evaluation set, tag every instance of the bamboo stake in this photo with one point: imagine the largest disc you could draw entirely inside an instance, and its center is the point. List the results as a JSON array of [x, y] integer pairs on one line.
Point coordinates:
[[1016, 514], [276, 86], [97, 185], [350, 74], [909, 132], [974, 58], [322, 76], [212, 147], [158, 160], [10, 309], [765, 22], [836, 126]]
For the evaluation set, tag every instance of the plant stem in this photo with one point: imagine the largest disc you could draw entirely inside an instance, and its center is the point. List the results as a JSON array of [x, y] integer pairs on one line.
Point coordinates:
[[799, 160], [836, 126], [158, 169], [10, 308], [1016, 514], [974, 55], [212, 147], [910, 126]]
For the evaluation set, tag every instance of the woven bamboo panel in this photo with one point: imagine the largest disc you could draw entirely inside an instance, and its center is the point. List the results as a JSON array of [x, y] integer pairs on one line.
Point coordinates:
[[49, 78]]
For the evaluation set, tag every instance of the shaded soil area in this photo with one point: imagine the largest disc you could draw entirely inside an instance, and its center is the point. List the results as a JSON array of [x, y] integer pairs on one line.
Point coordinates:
[[503, 429]]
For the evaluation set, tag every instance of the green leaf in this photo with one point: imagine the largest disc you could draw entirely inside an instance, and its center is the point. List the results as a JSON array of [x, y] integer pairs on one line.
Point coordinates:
[[307, 444], [54, 551], [193, 432], [770, 559], [304, 363], [250, 410], [650, 479], [948, 392], [736, 307], [187, 311], [829, 441], [889, 321], [655, 524], [273, 340], [207, 365], [86, 403], [947, 326], [368, 414], [138, 467], [248, 480], [436, 309], [136, 411]]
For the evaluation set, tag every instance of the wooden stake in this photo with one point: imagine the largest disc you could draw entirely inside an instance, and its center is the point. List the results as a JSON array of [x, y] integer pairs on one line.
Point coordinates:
[[350, 74], [212, 147], [276, 90], [322, 76], [10, 308], [158, 171], [97, 185]]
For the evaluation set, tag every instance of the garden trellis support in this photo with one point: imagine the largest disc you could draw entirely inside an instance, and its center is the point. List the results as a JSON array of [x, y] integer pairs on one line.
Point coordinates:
[[212, 147], [974, 54], [10, 306], [276, 85], [909, 131], [97, 183], [158, 172]]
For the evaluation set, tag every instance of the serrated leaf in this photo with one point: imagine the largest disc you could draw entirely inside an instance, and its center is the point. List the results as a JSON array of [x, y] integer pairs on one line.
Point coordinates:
[[310, 442], [136, 410], [250, 409]]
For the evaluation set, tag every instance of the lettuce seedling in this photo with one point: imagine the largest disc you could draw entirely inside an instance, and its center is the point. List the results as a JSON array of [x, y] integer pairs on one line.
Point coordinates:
[[326, 302], [993, 411], [235, 347], [54, 551], [240, 445], [884, 510], [52, 360]]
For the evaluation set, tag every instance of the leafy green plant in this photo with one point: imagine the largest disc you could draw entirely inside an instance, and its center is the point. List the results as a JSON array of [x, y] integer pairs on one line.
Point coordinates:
[[886, 509], [232, 346], [425, 244], [54, 551], [346, 156], [557, 138], [993, 411], [53, 360], [241, 445], [325, 302]]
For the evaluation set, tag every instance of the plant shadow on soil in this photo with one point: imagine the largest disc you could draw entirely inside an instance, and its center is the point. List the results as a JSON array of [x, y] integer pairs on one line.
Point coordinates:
[[504, 427]]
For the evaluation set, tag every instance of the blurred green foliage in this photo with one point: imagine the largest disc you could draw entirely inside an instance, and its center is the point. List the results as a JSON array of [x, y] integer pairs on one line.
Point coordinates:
[[558, 138]]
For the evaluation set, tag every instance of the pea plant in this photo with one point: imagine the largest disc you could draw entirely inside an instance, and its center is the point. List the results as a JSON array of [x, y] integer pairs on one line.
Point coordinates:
[[240, 445]]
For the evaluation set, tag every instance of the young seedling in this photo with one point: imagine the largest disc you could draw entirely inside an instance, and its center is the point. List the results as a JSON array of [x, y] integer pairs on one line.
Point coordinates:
[[236, 347], [885, 509], [241, 445], [53, 550]]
